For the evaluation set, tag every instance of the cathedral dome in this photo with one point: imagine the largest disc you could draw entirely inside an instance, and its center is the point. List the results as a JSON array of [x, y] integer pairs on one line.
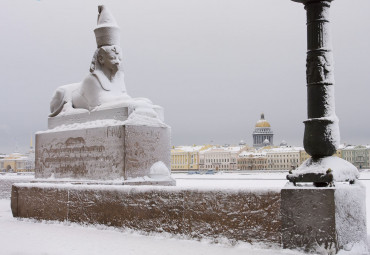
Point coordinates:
[[262, 122], [262, 133]]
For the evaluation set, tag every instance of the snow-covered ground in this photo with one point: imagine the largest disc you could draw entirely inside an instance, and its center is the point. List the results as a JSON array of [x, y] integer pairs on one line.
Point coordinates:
[[34, 238], [28, 237]]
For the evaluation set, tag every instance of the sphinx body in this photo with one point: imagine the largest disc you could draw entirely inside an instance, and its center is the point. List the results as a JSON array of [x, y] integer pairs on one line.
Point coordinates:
[[104, 86]]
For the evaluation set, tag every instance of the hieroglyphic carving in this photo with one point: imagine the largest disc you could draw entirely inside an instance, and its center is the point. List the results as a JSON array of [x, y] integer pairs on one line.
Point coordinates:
[[319, 69], [95, 154], [102, 153], [145, 146]]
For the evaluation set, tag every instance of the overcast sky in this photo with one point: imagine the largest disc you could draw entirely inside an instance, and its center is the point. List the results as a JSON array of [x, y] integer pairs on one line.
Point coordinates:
[[214, 65]]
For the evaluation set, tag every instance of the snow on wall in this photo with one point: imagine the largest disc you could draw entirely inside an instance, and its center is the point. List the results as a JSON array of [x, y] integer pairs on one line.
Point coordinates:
[[324, 220], [251, 215], [350, 216], [6, 184]]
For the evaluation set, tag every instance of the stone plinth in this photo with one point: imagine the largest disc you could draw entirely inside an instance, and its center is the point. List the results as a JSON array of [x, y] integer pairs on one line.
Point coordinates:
[[247, 215], [323, 219], [120, 113], [102, 153]]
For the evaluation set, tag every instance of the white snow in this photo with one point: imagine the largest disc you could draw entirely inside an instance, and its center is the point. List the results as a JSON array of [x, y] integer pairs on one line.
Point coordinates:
[[159, 169], [141, 113], [342, 170], [28, 237], [85, 125], [350, 207], [189, 148]]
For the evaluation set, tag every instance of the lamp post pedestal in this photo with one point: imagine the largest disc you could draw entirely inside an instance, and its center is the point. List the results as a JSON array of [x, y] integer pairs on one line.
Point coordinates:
[[323, 208]]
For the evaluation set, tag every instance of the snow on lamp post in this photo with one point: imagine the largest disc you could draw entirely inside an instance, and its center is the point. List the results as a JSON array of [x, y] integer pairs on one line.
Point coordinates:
[[321, 136]]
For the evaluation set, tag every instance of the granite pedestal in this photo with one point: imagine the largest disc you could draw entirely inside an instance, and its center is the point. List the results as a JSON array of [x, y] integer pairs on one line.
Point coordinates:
[[102, 153], [323, 220]]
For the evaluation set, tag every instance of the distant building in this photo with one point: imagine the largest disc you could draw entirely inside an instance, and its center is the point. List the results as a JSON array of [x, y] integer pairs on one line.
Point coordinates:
[[357, 155], [283, 158], [248, 160], [242, 143], [185, 158], [304, 155], [17, 162], [262, 134], [220, 158], [14, 162]]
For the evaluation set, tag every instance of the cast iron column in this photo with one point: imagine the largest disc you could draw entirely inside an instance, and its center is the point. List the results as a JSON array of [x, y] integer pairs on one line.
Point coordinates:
[[321, 136]]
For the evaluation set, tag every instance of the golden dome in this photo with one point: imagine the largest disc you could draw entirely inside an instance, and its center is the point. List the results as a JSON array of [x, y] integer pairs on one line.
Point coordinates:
[[262, 122]]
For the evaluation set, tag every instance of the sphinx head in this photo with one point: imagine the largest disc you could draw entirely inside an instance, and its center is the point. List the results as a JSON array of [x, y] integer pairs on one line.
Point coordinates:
[[107, 59], [110, 58]]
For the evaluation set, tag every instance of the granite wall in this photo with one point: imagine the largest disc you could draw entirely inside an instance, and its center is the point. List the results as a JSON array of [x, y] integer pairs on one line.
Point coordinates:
[[240, 215]]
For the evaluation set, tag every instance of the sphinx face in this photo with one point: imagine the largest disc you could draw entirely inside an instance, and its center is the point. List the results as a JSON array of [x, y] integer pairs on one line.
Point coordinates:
[[111, 58]]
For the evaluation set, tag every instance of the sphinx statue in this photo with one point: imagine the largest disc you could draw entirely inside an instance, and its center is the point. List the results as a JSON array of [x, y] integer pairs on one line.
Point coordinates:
[[104, 86], [96, 131]]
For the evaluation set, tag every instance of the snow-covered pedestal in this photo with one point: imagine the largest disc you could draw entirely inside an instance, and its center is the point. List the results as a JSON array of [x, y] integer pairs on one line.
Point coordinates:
[[324, 220], [340, 171], [105, 150]]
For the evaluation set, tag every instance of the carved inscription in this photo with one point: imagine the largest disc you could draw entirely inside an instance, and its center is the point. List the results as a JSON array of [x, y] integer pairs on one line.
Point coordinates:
[[144, 147], [102, 153], [72, 156], [77, 154]]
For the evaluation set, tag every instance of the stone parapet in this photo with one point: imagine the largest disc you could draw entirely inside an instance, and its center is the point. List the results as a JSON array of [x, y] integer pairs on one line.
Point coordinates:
[[249, 215]]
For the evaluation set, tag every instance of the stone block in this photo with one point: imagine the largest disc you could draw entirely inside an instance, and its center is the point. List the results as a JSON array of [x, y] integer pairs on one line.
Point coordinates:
[[46, 203], [246, 215], [323, 220], [145, 146], [102, 153], [238, 215]]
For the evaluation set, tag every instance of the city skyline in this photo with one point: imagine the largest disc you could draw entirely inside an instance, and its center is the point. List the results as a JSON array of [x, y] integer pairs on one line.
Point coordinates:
[[213, 73]]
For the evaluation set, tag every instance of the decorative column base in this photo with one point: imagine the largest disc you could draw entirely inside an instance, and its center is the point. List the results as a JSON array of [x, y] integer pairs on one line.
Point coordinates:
[[316, 171], [324, 220]]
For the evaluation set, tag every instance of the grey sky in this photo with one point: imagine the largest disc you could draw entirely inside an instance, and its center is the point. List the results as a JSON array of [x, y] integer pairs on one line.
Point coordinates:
[[214, 65]]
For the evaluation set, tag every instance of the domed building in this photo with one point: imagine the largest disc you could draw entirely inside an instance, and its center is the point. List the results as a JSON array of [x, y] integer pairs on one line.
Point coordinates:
[[262, 134]]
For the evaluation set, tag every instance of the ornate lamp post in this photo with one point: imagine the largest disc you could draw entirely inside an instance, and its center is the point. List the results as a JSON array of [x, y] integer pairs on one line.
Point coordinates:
[[321, 136], [328, 219]]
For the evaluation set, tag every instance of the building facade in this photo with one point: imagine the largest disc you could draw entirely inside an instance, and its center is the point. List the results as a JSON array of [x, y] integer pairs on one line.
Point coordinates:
[[304, 155], [17, 162], [357, 155], [252, 160], [220, 158], [283, 158], [262, 134], [184, 158]]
